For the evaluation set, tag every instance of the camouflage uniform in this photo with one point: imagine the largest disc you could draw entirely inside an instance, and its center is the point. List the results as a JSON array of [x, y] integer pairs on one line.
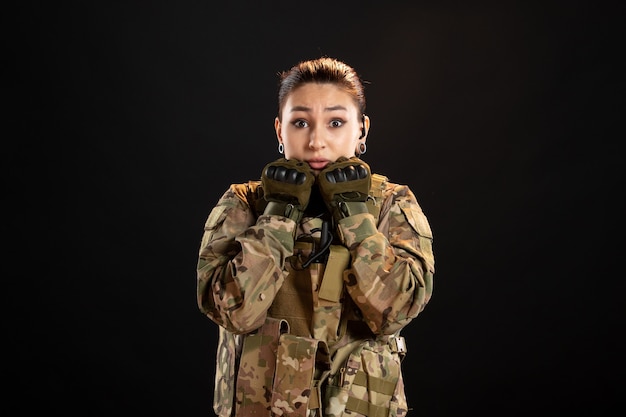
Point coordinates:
[[322, 339]]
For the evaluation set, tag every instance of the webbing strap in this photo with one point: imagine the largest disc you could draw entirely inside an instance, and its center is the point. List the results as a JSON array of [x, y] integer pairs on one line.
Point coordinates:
[[366, 408], [374, 383], [378, 185], [314, 399], [332, 283], [379, 182]]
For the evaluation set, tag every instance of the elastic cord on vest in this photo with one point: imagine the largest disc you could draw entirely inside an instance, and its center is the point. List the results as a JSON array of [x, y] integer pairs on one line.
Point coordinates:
[[326, 240]]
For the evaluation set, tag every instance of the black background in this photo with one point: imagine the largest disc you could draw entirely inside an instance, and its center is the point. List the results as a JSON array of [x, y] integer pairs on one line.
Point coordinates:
[[130, 119]]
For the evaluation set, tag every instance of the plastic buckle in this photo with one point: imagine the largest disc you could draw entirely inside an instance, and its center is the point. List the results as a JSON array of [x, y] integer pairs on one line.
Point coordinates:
[[397, 344]]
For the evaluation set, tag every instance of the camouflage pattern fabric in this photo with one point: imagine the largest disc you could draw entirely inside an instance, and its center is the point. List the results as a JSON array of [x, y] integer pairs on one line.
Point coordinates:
[[369, 384], [227, 354], [245, 259], [299, 302], [257, 367], [297, 361]]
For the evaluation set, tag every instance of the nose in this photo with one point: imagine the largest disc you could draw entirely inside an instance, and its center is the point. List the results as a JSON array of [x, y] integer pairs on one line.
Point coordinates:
[[317, 139]]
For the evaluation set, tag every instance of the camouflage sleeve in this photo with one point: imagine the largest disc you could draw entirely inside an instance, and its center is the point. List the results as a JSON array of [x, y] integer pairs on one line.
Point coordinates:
[[241, 262], [391, 276]]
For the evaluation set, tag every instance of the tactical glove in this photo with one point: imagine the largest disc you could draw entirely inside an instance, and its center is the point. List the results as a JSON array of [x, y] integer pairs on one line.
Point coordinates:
[[287, 187], [345, 186]]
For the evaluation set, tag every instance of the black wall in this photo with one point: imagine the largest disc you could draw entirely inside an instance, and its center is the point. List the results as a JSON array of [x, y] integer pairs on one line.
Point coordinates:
[[130, 119]]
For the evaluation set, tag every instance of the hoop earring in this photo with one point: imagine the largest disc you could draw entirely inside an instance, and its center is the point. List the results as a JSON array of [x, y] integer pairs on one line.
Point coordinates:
[[361, 149], [281, 148]]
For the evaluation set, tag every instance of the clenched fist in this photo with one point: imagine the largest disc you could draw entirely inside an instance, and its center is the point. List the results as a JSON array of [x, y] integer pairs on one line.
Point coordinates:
[[345, 186], [287, 187]]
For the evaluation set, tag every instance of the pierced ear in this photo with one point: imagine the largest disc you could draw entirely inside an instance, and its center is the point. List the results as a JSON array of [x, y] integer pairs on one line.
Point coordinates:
[[362, 126], [277, 126], [365, 125]]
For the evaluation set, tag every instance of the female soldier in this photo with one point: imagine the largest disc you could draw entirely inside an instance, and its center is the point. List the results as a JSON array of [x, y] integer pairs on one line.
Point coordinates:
[[312, 271]]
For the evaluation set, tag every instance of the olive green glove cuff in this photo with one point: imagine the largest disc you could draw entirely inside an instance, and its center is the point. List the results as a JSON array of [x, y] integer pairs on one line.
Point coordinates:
[[356, 228], [341, 209], [288, 210]]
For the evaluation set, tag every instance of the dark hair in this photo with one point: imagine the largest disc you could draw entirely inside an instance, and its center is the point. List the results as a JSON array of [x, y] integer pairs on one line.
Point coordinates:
[[321, 70]]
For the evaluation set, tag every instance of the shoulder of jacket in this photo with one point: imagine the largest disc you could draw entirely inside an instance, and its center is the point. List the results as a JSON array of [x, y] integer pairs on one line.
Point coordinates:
[[245, 190], [251, 193]]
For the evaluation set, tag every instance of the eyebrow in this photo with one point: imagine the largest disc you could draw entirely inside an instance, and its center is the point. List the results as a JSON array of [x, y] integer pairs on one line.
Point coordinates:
[[306, 109]]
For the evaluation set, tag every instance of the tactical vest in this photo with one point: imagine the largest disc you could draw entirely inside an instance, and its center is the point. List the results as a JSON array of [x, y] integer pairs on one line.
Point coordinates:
[[285, 366]]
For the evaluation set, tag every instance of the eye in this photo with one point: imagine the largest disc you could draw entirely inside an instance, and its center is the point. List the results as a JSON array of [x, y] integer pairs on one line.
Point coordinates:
[[336, 123], [300, 123]]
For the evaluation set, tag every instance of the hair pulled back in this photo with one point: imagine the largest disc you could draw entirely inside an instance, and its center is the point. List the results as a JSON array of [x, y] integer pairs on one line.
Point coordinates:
[[323, 70]]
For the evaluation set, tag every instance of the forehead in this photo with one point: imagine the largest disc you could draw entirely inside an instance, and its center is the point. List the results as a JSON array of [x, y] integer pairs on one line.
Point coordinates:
[[315, 95]]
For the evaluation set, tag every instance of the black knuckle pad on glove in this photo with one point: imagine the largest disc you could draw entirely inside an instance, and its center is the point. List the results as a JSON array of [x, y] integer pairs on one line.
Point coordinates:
[[344, 186], [348, 176], [288, 181], [351, 173]]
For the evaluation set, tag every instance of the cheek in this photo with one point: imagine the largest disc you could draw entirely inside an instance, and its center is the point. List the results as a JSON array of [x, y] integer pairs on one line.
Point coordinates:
[[292, 149], [349, 145]]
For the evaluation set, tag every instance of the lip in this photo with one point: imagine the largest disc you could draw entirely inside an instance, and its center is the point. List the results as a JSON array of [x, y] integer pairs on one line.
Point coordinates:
[[318, 164]]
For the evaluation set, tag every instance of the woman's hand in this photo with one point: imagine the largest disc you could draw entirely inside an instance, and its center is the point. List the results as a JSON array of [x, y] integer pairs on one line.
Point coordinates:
[[287, 187], [345, 186]]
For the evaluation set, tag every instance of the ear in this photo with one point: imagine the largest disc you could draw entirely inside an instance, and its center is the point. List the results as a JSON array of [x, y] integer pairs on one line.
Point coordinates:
[[365, 127], [277, 128]]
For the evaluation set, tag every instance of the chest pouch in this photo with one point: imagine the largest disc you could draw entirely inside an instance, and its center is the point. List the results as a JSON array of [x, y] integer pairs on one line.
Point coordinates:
[[300, 363], [369, 383], [257, 367]]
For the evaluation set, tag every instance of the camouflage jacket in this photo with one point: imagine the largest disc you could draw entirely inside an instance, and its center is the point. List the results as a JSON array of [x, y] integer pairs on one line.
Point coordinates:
[[331, 328]]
